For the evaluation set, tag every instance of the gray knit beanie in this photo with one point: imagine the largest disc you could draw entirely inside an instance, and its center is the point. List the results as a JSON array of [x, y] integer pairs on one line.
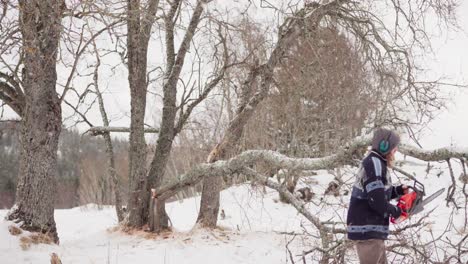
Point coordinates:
[[385, 140]]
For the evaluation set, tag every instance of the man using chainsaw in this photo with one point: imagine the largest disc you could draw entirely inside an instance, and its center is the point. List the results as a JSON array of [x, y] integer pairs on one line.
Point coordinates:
[[369, 208]]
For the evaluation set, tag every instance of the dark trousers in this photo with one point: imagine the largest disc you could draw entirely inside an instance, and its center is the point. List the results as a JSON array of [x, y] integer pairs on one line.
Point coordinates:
[[371, 251]]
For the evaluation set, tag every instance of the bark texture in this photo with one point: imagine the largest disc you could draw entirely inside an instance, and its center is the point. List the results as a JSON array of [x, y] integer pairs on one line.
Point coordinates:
[[139, 23], [40, 24], [212, 185]]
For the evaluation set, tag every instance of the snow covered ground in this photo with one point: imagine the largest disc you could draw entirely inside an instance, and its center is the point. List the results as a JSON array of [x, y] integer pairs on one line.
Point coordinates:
[[253, 230], [85, 235]]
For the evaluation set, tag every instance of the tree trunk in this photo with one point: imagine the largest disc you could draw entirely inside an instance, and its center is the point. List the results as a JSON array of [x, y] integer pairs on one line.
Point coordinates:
[[137, 80], [212, 186], [111, 171], [113, 177], [167, 131], [158, 169], [137, 151], [209, 204], [40, 23], [290, 182], [139, 23]]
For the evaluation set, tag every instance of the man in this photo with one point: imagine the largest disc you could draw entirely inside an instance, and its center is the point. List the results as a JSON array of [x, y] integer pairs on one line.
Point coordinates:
[[369, 208]]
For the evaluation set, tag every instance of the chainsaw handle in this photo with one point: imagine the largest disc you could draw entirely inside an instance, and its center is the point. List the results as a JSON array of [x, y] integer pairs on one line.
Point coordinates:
[[408, 188], [419, 187]]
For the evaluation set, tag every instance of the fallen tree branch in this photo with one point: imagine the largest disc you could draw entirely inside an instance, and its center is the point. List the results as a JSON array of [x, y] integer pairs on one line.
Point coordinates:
[[99, 130], [277, 160], [440, 154], [251, 157]]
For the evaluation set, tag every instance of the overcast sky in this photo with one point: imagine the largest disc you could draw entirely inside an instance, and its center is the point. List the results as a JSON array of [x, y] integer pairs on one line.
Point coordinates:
[[451, 60]]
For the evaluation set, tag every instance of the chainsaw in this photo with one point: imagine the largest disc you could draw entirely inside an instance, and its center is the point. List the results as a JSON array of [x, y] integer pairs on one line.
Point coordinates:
[[413, 202]]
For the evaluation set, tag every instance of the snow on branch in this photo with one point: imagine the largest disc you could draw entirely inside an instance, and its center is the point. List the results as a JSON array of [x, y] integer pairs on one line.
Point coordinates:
[[275, 159], [434, 155], [439, 154], [248, 158]]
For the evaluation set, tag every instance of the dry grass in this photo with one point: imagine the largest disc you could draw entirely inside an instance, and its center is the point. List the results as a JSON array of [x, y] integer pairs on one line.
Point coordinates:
[[54, 259], [25, 243], [142, 232], [35, 238], [14, 230]]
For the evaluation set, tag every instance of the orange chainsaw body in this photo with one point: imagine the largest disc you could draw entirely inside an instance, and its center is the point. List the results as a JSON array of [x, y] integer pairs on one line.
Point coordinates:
[[408, 201]]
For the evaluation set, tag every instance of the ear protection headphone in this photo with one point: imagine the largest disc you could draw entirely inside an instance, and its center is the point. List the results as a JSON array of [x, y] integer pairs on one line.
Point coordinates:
[[384, 144]]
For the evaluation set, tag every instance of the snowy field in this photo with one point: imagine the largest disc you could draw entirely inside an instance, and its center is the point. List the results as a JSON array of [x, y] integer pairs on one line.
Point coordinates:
[[86, 236], [254, 229]]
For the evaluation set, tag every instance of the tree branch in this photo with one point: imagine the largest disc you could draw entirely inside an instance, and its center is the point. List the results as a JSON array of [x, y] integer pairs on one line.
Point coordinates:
[[434, 155], [79, 53], [184, 46], [250, 157], [10, 99], [148, 20], [208, 88], [275, 160], [75, 108], [98, 130]]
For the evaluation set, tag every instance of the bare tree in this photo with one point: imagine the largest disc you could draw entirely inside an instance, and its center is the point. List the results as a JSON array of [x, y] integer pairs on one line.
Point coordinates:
[[111, 169], [170, 126], [36, 101], [140, 17], [140, 20], [29, 80]]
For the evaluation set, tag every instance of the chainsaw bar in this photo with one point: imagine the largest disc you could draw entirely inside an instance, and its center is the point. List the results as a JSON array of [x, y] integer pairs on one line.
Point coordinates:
[[420, 207]]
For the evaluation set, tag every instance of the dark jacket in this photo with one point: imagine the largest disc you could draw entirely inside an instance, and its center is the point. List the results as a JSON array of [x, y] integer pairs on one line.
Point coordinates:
[[369, 208]]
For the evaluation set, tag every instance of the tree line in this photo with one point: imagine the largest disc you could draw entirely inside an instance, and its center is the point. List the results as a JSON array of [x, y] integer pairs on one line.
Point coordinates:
[[81, 178]]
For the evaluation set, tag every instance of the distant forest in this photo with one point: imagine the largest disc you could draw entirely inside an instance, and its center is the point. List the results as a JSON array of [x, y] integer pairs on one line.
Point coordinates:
[[81, 174]]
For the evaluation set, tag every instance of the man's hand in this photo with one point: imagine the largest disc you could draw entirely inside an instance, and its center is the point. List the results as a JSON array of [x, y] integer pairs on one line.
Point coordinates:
[[401, 218]]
